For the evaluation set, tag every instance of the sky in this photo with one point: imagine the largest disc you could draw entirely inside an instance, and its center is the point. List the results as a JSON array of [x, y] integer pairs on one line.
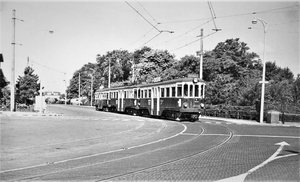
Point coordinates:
[[59, 37]]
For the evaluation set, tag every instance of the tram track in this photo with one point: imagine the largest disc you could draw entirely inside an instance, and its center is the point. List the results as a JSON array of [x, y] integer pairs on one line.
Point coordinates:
[[184, 133], [179, 159], [22, 171]]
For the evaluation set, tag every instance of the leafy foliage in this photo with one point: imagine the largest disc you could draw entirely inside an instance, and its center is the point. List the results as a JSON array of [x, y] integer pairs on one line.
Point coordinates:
[[231, 72], [27, 86], [153, 64], [3, 83]]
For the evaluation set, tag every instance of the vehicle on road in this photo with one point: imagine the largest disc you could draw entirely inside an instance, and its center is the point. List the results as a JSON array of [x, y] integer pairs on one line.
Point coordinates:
[[178, 99]]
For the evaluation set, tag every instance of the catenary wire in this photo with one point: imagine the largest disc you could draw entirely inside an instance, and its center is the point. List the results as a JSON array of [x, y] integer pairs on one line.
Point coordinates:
[[193, 41], [183, 33], [142, 16], [148, 13]]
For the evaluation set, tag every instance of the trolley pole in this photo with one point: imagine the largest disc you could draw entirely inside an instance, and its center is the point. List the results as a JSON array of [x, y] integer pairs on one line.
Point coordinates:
[[201, 56]]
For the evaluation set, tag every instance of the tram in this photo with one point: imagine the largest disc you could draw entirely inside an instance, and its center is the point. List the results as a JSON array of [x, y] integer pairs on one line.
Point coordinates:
[[178, 99]]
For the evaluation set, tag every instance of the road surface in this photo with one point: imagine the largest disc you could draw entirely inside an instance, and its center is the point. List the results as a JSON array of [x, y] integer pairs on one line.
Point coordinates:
[[88, 145]]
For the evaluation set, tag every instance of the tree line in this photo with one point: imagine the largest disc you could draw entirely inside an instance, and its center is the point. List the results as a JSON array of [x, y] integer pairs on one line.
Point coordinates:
[[231, 72]]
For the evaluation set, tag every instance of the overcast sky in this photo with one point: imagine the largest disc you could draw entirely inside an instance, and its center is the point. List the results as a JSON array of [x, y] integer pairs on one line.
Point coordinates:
[[60, 37]]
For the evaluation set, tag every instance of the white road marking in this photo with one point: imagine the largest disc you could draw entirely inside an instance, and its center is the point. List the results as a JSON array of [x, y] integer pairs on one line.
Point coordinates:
[[268, 136], [98, 154], [241, 177], [189, 134]]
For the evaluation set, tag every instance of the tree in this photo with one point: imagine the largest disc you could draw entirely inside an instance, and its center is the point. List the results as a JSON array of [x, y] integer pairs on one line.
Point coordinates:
[[120, 66], [277, 74], [231, 72], [3, 83], [153, 64], [296, 90], [86, 71], [27, 86]]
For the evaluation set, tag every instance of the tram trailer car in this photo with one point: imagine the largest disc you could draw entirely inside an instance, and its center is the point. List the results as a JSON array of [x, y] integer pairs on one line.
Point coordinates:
[[178, 99]]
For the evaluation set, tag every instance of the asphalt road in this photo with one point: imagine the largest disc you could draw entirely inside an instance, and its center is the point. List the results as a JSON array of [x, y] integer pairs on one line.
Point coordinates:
[[88, 145]]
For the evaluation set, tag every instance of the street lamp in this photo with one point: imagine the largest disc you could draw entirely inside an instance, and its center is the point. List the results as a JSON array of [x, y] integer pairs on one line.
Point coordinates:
[[79, 89], [66, 92], [265, 25], [92, 78]]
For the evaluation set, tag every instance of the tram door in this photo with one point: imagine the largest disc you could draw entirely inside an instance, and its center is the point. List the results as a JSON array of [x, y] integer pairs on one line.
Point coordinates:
[[120, 100]]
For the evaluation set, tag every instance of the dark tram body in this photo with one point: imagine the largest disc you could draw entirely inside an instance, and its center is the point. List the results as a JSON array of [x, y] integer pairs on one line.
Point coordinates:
[[179, 99]]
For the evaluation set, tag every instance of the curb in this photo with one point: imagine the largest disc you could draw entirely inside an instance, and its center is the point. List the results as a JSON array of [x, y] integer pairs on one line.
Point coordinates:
[[27, 114], [249, 122]]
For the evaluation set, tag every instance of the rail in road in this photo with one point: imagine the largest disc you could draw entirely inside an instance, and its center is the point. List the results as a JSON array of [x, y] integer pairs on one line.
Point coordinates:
[[174, 151]]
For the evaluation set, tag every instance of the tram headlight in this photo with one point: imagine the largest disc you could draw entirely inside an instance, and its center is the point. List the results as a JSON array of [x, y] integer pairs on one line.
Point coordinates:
[[185, 105], [195, 80], [202, 105]]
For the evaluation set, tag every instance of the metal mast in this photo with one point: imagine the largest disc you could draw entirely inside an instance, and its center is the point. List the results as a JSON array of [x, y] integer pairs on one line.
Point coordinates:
[[12, 82], [201, 56]]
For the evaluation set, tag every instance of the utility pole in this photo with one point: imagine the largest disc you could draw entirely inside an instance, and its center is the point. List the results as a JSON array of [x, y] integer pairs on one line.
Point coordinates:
[[79, 89], [92, 79], [65, 88], [133, 71], [12, 82], [201, 55], [41, 97], [109, 73]]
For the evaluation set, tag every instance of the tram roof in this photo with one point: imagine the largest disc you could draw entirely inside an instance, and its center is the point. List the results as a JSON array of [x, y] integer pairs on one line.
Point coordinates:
[[167, 82]]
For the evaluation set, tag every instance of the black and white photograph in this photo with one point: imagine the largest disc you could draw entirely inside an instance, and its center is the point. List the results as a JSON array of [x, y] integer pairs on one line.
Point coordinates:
[[150, 91]]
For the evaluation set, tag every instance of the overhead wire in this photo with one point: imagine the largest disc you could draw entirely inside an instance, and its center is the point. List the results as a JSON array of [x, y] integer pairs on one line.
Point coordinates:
[[183, 21], [47, 67], [148, 13], [143, 16], [151, 39], [138, 39], [193, 41], [184, 33], [242, 14]]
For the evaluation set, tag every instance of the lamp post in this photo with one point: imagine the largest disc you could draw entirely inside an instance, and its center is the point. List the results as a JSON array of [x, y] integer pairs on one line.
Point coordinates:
[[263, 82], [92, 79], [65, 80], [79, 89], [109, 73]]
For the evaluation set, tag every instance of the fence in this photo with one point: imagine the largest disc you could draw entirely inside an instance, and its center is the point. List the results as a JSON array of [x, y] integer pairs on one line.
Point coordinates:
[[236, 114]]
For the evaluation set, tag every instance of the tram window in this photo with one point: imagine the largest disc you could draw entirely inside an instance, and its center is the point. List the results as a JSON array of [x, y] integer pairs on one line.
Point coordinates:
[[202, 90], [191, 90], [162, 92], [142, 93], [168, 92], [149, 93], [185, 90], [155, 92], [116, 94], [196, 90], [173, 91], [135, 93], [179, 90]]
